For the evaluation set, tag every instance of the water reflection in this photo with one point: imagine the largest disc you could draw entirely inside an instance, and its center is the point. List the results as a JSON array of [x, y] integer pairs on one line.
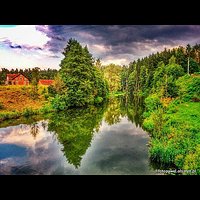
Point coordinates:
[[134, 109], [95, 140], [74, 130]]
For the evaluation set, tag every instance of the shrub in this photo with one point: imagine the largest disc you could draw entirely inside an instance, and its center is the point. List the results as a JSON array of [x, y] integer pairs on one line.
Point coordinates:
[[28, 112], [152, 102], [59, 103], [179, 161], [52, 91], [192, 161], [46, 108], [148, 124], [164, 154]]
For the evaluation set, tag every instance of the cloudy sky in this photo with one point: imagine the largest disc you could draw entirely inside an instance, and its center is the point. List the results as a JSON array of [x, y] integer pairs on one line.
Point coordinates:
[[25, 46]]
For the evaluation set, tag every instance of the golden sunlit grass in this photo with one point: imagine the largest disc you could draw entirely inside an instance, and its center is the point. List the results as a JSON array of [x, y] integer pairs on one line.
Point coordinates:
[[18, 98]]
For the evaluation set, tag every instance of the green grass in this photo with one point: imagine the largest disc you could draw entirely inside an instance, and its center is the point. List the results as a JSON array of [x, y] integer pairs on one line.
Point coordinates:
[[178, 141], [7, 115]]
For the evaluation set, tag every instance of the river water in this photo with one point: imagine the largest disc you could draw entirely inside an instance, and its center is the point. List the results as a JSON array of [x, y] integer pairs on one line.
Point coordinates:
[[96, 140]]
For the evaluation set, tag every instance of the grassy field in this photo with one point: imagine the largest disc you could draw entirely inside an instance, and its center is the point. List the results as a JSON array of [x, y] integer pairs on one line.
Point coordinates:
[[177, 140], [21, 100]]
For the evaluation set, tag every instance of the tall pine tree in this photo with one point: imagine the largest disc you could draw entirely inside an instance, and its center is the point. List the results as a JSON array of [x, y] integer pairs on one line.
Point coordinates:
[[84, 84]]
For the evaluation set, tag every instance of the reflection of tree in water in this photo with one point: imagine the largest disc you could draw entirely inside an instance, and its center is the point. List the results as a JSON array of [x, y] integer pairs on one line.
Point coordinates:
[[118, 107], [44, 125], [34, 129], [133, 108], [113, 112], [74, 129]]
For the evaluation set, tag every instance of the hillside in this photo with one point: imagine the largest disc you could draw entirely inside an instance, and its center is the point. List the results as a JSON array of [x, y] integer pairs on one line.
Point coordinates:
[[17, 98]]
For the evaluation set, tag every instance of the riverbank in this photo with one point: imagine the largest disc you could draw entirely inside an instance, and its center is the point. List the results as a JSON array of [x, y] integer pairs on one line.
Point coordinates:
[[18, 101], [175, 135]]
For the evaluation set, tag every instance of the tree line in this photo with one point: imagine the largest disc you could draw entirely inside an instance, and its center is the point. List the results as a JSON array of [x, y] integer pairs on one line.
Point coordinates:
[[31, 73], [160, 70]]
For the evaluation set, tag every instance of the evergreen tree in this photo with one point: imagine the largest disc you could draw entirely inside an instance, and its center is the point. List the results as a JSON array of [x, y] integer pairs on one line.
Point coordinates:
[[84, 84]]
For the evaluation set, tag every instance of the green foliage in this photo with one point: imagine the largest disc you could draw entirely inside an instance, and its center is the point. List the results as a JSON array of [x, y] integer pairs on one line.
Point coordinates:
[[28, 112], [52, 91], [59, 103], [188, 87], [9, 115], [58, 87], [47, 108], [34, 92], [161, 153], [75, 129], [192, 161], [175, 135], [124, 79], [112, 114], [158, 72], [152, 102], [81, 81], [165, 77], [112, 74]]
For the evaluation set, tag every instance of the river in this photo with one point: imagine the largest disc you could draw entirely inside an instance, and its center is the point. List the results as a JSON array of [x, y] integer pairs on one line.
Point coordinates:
[[101, 140]]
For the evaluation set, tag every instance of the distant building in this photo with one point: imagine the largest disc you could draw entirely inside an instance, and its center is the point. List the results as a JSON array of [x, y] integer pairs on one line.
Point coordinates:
[[45, 82], [16, 79]]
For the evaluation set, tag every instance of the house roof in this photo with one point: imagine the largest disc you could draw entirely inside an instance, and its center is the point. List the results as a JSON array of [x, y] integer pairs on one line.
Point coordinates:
[[13, 76], [46, 82]]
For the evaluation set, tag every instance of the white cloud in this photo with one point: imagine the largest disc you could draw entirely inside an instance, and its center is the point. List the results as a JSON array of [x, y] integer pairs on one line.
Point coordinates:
[[114, 60], [24, 35], [99, 48], [23, 59]]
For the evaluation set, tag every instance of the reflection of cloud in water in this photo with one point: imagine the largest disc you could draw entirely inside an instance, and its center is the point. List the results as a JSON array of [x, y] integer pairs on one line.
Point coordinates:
[[117, 149], [43, 155], [21, 135], [125, 127]]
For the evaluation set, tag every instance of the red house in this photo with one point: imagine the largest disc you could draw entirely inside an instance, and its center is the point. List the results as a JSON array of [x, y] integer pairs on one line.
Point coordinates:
[[17, 79], [45, 82]]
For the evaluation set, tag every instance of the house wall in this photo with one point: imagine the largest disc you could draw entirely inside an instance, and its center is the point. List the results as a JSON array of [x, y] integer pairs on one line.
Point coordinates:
[[19, 80]]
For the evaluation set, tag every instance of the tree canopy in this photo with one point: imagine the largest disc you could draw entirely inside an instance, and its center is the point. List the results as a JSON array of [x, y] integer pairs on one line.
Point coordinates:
[[83, 82]]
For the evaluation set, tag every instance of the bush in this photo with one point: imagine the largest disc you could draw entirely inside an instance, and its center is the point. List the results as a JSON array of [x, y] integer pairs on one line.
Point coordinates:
[[52, 91], [148, 124], [46, 108], [152, 102], [59, 103], [164, 154], [28, 112], [192, 161]]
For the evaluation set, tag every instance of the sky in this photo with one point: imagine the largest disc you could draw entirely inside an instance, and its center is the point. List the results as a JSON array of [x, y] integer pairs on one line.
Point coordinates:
[[27, 46]]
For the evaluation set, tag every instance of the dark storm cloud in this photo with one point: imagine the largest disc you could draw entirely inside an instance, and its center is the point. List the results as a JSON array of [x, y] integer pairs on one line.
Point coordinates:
[[15, 46], [11, 45], [131, 41]]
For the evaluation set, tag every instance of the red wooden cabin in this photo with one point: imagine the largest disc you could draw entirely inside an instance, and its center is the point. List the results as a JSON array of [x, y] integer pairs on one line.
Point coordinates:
[[16, 79]]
